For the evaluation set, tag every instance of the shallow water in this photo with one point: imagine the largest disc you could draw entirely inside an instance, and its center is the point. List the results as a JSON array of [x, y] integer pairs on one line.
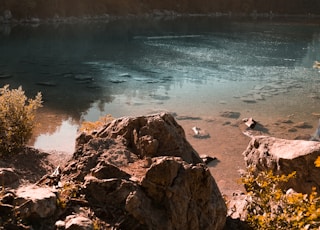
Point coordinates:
[[196, 66]]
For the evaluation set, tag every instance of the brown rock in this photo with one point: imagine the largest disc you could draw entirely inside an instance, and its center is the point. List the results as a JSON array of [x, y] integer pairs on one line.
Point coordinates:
[[177, 199], [141, 173], [106, 171], [285, 156], [152, 136], [126, 139], [108, 191], [36, 202], [74, 222]]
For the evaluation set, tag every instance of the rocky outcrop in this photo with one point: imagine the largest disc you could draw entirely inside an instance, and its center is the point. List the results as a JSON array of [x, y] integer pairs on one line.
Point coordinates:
[[285, 156], [127, 140], [141, 173], [133, 173]]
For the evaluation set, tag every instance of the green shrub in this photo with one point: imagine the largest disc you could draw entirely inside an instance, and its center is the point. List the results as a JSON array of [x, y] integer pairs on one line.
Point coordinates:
[[272, 208], [17, 114]]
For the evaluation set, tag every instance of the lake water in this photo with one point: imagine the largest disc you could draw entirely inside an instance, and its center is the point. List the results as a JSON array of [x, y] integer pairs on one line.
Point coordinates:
[[194, 66]]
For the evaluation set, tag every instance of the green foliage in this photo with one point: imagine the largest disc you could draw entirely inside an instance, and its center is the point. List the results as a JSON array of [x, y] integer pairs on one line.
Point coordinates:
[[271, 208], [17, 114]]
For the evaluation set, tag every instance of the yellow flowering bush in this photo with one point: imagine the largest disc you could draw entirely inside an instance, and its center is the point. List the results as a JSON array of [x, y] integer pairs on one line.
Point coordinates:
[[17, 114], [272, 208], [88, 126]]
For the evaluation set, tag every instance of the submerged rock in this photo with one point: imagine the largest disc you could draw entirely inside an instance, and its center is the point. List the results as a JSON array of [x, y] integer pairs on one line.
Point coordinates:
[[230, 114]]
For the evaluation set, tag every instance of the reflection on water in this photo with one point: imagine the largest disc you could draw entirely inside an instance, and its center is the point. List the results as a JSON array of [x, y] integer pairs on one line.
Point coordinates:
[[192, 66]]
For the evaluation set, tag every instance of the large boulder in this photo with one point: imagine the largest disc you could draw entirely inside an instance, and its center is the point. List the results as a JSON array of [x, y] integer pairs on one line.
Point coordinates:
[[285, 156], [125, 140], [147, 136], [177, 195], [141, 173], [35, 202]]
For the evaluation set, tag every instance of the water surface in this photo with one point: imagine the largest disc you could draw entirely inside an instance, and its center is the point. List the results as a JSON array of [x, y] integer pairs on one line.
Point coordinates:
[[195, 66]]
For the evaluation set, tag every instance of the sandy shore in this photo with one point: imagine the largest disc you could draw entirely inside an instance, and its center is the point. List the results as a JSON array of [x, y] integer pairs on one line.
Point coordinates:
[[227, 143]]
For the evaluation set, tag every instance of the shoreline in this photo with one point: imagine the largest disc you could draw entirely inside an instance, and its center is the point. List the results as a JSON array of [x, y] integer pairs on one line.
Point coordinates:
[[225, 142], [155, 15]]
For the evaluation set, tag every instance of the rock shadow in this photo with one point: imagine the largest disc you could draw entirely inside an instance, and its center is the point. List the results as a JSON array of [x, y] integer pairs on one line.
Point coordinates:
[[29, 164]]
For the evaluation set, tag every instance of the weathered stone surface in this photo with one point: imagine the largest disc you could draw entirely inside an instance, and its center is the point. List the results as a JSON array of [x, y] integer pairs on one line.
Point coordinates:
[[74, 222], [237, 206], [285, 156], [178, 195], [107, 191], [105, 171], [127, 139], [36, 202], [141, 173]]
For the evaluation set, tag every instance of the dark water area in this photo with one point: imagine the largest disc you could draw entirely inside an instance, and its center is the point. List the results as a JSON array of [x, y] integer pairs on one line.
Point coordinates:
[[194, 66]]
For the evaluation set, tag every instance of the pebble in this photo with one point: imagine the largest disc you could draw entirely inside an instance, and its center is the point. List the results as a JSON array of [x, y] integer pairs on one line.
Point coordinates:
[[207, 159], [199, 133]]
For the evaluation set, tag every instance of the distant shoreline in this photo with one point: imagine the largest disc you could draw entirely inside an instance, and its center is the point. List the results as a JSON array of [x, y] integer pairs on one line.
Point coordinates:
[[158, 15], [21, 9]]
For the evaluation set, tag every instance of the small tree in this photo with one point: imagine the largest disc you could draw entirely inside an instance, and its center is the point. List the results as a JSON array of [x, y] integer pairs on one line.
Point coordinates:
[[17, 114]]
